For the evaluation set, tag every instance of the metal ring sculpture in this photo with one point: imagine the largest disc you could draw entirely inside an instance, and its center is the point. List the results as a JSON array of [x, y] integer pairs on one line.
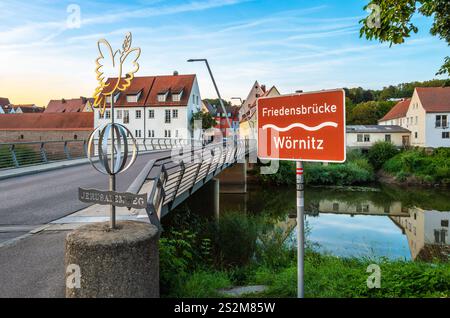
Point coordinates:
[[121, 134]]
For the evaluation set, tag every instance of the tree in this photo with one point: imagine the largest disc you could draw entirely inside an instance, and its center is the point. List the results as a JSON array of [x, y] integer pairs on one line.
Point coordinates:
[[381, 152], [394, 24], [216, 103], [368, 113], [207, 119]]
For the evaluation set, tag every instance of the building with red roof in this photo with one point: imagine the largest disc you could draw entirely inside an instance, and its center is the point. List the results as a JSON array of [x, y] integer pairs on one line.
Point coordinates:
[[75, 105], [426, 115], [45, 126], [156, 106]]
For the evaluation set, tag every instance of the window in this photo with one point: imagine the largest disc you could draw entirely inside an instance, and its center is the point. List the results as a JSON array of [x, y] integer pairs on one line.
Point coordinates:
[[175, 113], [416, 135], [387, 138], [360, 138], [108, 114], [168, 119], [417, 119], [132, 98], [445, 135], [119, 114], [137, 133], [162, 97], [444, 223], [176, 133], [366, 138], [126, 116], [75, 137], [441, 121], [108, 98], [167, 134], [193, 99], [151, 113], [138, 114], [151, 134], [439, 236], [177, 96], [100, 115], [21, 137]]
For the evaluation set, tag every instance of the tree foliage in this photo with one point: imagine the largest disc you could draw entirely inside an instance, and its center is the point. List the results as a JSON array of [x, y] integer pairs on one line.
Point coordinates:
[[394, 24], [207, 119]]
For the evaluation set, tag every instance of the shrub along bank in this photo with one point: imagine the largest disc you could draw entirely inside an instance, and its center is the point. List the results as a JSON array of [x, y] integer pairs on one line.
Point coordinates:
[[242, 250], [413, 166]]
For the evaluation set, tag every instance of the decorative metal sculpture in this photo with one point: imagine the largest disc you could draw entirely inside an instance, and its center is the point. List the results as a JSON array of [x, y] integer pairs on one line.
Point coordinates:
[[114, 63], [122, 65]]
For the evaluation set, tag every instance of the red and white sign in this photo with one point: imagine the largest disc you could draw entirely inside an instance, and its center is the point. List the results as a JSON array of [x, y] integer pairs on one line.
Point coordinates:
[[303, 127]]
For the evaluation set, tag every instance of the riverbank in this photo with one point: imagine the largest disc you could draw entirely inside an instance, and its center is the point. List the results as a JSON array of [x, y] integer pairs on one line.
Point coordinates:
[[200, 257], [382, 164]]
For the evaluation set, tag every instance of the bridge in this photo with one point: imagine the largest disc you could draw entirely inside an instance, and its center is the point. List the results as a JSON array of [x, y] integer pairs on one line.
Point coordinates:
[[38, 208]]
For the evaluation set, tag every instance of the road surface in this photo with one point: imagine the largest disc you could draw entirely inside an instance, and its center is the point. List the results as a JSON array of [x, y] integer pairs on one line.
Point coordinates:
[[30, 201]]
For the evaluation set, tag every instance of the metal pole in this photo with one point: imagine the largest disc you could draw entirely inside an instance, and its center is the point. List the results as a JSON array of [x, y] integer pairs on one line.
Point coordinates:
[[218, 94], [300, 229], [112, 177]]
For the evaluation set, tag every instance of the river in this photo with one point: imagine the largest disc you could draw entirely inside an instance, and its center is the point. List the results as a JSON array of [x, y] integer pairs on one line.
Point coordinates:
[[370, 222]]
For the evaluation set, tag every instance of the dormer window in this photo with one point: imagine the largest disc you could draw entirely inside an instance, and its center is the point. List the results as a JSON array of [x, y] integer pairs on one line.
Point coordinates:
[[162, 96], [108, 98], [177, 95], [133, 97]]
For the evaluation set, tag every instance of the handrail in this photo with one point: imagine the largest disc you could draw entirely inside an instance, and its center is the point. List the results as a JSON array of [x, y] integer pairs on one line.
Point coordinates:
[[177, 176]]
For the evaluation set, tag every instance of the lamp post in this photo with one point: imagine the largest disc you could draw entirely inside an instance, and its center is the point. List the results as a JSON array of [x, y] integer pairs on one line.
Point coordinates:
[[215, 86]]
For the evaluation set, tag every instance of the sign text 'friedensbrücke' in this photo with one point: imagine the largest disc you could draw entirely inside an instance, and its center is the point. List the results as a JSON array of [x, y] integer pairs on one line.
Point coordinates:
[[306, 127], [128, 200]]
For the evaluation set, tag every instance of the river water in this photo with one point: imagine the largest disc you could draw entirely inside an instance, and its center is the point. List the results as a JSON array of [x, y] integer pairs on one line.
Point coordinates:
[[375, 222]]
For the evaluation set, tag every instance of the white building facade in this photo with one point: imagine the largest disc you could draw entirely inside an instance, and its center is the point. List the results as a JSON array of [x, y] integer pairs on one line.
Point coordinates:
[[426, 115], [365, 136], [156, 107]]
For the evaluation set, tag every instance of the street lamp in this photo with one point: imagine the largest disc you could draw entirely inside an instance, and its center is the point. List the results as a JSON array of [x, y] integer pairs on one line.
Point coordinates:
[[215, 86]]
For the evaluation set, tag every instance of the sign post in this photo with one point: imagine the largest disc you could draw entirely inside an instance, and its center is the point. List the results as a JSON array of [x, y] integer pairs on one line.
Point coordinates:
[[302, 127]]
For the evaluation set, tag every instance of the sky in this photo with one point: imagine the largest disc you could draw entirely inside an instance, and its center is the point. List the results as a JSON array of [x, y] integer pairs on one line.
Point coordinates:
[[293, 44]]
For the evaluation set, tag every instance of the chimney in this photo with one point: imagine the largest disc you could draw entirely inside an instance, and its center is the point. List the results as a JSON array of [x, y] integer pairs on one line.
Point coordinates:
[[63, 101], [175, 73]]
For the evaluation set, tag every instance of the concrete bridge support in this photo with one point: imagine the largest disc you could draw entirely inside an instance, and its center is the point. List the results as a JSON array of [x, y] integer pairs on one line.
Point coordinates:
[[234, 179], [206, 200]]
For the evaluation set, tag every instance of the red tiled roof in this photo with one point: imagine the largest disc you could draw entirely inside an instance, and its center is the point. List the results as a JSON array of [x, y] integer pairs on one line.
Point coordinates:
[[434, 99], [4, 101], [47, 121], [151, 86], [66, 105], [398, 111]]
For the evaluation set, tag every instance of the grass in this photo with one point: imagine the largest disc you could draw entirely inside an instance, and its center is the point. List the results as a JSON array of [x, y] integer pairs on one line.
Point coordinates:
[[198, 262]]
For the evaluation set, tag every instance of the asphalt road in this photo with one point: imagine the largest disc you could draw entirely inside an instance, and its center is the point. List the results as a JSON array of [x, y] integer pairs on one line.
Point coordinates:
[[34, 265], [46, 196]]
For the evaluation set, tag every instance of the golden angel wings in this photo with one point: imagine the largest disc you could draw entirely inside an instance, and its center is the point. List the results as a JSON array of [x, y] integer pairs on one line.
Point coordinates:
[[117, 64]]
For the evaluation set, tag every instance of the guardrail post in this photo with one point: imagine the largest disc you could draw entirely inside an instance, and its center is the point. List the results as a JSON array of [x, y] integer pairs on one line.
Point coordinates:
[[13, 155], [85, 148], [66, 150], [43, 153]]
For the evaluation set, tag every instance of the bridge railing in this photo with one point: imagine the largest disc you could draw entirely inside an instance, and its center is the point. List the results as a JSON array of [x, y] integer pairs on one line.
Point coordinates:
[[21, 154], [180, 174]]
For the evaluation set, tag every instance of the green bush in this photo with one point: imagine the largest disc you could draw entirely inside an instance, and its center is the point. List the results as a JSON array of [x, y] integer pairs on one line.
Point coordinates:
[[381, 152], [235, 238], [351, 173], [429, 168], [202, 284]]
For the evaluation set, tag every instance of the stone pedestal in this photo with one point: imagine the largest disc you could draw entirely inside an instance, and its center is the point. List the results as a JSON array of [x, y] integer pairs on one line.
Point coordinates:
[[113, 263]]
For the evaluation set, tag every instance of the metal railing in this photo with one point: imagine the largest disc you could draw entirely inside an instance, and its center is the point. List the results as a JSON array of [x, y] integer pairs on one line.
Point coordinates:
[[21, 154], [177, 176]]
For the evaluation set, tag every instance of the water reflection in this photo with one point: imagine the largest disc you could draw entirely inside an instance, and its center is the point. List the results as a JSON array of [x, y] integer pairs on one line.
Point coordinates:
[[373, 222]]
